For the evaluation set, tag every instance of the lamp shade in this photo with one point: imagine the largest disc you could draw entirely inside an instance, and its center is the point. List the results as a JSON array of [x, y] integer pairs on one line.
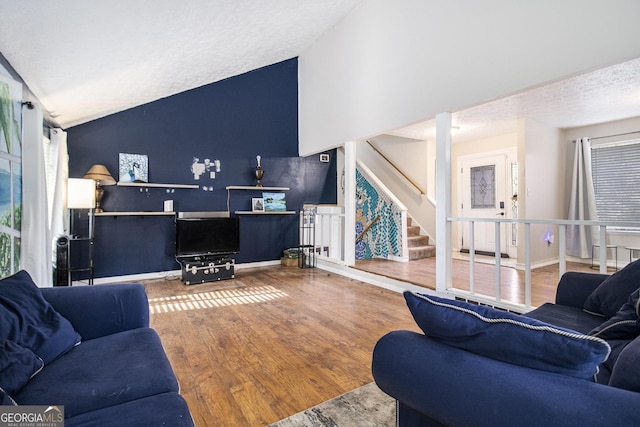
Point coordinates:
[[101, 174], [81, 193]]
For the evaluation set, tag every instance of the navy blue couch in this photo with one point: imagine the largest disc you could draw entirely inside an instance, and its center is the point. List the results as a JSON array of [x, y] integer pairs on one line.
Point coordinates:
[[115, 372], [438, 384]]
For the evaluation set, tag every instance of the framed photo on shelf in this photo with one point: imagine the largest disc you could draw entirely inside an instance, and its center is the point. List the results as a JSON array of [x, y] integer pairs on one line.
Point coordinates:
[[274, 202], [257, 204], [133, 167]]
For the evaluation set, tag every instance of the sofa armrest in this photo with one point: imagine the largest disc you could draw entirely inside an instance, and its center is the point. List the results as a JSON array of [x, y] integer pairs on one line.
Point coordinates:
[[100, 310], [575, 287], [454, 387]]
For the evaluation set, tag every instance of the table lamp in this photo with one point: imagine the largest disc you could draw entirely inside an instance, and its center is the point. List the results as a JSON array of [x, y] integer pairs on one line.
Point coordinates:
[[100, 174]]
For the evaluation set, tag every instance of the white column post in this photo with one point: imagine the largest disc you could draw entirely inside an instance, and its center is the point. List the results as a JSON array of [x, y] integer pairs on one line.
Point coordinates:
[[443, 201], [350, 203]]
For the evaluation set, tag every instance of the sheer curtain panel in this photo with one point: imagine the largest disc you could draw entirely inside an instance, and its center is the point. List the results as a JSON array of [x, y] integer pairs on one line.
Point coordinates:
[[36, 236], [582, 204]]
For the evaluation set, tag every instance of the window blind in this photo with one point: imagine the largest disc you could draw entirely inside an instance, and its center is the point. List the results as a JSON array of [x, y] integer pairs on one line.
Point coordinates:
[[616, 175]]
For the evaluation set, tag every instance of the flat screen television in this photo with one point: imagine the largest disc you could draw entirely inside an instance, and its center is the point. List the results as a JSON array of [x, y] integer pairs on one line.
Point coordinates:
[[207, 236]]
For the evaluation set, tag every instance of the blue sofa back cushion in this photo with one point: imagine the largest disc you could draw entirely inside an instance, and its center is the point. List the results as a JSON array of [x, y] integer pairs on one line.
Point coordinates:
[[625, 324], [508, 337], [17, 366], [613, 292], [28, 320]]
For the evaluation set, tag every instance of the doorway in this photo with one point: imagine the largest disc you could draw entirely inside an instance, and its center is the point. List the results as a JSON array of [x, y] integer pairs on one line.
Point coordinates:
[[486, 188]]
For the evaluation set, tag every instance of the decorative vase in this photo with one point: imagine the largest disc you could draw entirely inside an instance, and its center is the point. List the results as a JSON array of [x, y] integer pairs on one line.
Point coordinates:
[[259, 174]]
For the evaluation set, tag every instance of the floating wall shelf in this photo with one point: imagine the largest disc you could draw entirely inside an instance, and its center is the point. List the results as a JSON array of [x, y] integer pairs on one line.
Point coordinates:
[[152, 184], [264, 213], [253, 187], [159, 213]]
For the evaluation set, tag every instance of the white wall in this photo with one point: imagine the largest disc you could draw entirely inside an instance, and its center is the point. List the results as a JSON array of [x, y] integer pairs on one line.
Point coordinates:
[[409, 155], [541, 187], [393, 63]]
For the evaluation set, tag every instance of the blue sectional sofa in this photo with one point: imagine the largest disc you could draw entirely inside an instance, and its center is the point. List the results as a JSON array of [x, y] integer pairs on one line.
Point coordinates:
[[88, 349], [572, 363]]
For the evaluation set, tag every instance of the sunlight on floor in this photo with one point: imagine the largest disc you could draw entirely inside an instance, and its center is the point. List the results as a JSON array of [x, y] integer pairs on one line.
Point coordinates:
[[214, 299]]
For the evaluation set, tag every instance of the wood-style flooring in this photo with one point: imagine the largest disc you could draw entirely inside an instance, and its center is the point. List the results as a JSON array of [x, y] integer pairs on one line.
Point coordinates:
[[276, 340], [422, 272], [271, 342]]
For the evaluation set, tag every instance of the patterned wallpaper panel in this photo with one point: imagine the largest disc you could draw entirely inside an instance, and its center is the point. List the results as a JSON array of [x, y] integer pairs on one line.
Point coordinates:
[[384, 237]]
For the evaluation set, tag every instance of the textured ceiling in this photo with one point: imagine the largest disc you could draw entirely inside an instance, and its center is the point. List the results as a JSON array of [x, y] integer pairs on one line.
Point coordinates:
[[87, 59], [604, 95]]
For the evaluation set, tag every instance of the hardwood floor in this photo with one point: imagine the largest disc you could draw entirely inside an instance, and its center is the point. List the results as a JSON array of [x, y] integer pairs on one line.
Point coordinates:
[[277, 340], [271, 342]]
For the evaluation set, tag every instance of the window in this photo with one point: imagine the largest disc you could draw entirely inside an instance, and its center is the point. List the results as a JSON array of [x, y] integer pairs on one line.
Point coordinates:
[[483, 187], [10, 175], [616, 173]]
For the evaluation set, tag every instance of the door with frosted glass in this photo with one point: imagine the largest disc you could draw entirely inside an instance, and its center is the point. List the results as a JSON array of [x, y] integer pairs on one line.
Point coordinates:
[[483, 184]]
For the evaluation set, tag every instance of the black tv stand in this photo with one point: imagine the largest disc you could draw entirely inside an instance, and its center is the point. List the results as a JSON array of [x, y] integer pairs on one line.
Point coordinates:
[[203, 268]]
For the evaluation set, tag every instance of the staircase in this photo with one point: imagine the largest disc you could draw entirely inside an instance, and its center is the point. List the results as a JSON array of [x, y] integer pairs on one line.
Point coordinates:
[[419, 246]]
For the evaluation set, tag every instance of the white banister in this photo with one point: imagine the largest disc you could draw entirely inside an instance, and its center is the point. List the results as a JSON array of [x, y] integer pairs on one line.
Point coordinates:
[[562, 247]]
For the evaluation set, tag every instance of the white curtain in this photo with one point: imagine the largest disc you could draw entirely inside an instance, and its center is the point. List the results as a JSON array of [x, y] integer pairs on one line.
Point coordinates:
[[35, 253], [582, 204], [57, 159]]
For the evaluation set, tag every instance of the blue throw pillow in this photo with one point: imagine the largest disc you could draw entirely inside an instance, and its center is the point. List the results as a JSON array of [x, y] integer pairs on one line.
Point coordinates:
[[613, 292], [17, 366], [28, 320], [508, 337]]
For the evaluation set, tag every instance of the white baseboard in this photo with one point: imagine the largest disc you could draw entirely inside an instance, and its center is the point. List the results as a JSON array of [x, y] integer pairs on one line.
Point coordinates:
[[173, 274]]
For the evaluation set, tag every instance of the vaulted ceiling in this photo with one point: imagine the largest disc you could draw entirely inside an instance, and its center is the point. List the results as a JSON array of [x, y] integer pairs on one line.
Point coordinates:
[[86, 59]]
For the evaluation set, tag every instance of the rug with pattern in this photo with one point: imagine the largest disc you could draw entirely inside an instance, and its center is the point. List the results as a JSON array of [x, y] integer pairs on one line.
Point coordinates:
[[366, 406]]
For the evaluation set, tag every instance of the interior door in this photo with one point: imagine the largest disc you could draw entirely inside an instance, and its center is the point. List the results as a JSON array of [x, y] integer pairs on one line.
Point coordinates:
[[484, 195]]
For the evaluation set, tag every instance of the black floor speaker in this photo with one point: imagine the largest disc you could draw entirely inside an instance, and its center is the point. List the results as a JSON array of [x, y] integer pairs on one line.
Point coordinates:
[[61, 270]]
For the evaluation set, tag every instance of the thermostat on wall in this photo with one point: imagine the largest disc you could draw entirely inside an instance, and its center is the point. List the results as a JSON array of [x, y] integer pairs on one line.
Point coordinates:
[[324, 158]]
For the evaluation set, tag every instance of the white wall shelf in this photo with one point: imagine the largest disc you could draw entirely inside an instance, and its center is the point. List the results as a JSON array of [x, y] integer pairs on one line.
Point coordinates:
[[153, 184], [253, 187], [264, 213], [159, 213]]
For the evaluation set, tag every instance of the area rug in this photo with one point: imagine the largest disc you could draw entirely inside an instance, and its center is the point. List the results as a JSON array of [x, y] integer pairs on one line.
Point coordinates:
[[366, 406]]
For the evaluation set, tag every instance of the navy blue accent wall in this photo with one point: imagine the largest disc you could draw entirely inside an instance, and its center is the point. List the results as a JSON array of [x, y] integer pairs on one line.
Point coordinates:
[[233, 120]]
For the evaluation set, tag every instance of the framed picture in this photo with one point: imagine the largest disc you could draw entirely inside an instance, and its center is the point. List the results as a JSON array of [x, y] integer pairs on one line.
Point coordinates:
[[134, 167], [257, 204], [274, 202]]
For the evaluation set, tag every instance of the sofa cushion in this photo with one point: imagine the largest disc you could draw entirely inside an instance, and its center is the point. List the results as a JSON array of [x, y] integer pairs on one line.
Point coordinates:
[[508, 337], [28, 320], [166, 409], [567, 317], [614, 291], [626, 371], [625, 324], [17, 366], [5, 399], [103, 372]]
